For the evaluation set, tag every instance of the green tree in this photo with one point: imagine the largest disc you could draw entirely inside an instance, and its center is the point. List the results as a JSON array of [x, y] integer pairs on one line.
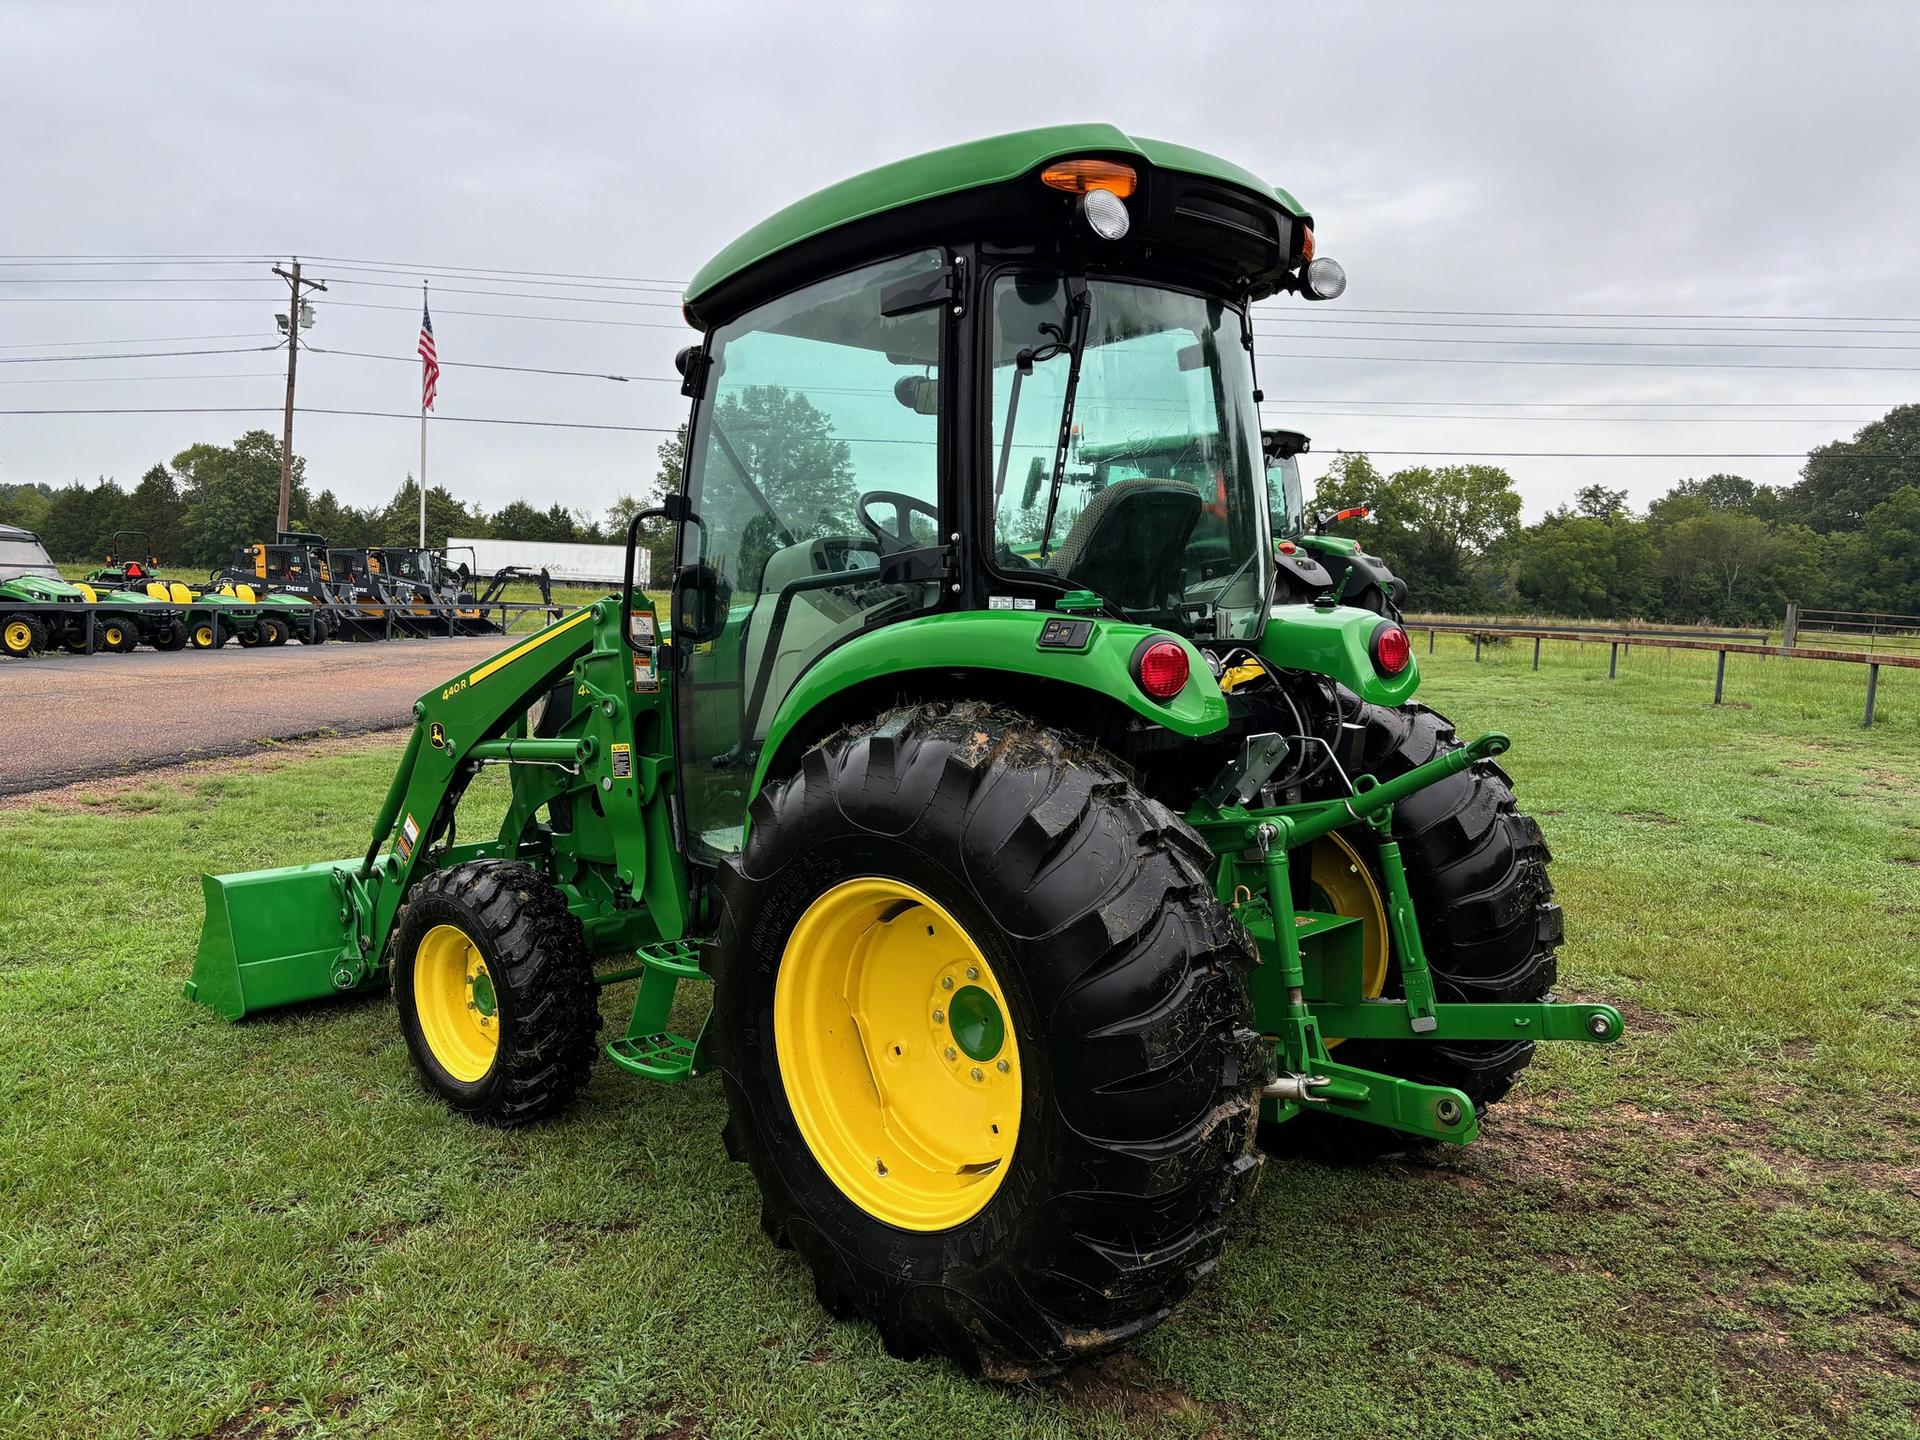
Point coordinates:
[[25, 505], [1878, 567], [1841, 482], [1582, 564], [1432, 526], [1733, 494], [659, 537], [81, 519], [232, 494], [806, 475], [156, 507], [399, 522], [1731, 568], [1600, 503]]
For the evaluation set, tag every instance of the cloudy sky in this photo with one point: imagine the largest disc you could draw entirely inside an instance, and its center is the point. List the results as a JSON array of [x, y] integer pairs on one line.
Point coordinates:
[[1608, 183]]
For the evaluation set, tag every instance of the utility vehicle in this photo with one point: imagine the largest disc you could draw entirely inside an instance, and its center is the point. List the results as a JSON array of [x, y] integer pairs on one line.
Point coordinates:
[[39, 610], [1035, 841]]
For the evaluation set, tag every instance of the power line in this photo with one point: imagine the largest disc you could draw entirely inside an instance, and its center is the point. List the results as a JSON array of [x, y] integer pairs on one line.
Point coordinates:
[[518, 294], [1294, 317], [1630, 344], [108, 379], [131, 340], [1610, 404], [478, 365], [1599, 364], [130, 355], [1581, 419], [410, 269], [1630, 315], [349, 304]]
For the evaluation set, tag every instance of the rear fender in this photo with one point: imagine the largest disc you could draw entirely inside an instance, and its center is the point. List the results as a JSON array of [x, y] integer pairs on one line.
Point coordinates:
[[1007, 642]]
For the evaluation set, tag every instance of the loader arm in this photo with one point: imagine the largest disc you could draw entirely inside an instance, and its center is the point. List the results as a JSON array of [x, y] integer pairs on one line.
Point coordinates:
[[589, 801]]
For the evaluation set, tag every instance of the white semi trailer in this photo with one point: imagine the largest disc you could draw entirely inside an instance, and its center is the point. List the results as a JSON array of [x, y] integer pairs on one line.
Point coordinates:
[[565, 562]]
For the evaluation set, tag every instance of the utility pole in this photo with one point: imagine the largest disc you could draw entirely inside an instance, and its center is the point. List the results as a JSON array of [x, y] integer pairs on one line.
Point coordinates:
[[299, 316]]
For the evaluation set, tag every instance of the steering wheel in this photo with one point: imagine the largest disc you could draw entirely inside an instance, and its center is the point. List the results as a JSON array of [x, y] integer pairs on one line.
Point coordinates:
[[901, 536]]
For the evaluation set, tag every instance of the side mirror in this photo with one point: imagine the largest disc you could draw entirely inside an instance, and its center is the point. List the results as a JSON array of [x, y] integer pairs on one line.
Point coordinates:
[[701, 597]]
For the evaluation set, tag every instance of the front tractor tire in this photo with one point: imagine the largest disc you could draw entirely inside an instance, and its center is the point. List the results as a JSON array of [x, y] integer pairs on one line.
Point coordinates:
[[1477, 871], [984, 1033], [495, 992]]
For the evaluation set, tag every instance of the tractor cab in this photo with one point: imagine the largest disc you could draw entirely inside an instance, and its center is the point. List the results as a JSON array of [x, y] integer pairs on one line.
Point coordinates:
[[1013, 376]]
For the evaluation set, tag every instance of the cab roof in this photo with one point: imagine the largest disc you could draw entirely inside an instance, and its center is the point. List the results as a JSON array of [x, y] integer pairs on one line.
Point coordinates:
[[978, 163]]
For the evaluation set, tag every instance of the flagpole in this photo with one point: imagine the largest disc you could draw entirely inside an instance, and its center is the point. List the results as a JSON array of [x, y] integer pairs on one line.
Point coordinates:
[[423, 437]]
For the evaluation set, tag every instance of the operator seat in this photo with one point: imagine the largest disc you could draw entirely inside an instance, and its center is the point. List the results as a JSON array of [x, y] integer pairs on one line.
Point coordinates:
[[1129, 542]]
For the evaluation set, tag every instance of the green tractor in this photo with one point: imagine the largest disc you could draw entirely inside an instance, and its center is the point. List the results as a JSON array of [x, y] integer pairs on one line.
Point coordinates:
[[1035, 843], [39, 610]]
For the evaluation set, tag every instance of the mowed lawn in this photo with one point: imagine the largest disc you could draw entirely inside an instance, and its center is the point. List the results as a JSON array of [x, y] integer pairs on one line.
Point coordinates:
[[1711, 1229]]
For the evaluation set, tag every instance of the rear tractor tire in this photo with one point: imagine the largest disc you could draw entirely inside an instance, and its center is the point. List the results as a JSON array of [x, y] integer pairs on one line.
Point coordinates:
[[984, 1033], [22, 635], [1477, 870], [495, 992]]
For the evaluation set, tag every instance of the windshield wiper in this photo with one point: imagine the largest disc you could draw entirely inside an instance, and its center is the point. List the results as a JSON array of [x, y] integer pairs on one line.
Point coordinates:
[[1080, 317]]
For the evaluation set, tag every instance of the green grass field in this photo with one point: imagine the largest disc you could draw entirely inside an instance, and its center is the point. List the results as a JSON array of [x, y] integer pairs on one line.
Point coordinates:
[[1711, 1229]]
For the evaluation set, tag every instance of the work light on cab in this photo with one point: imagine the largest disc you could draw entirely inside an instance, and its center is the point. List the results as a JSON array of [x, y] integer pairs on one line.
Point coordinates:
[[1392, 650], [1160, 668], [1323, 279]]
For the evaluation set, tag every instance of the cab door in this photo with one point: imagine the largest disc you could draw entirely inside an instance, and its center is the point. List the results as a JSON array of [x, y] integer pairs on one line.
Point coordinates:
[[813, 463]]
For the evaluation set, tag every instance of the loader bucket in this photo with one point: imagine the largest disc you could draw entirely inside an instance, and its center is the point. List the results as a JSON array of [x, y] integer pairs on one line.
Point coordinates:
[[274, 937]]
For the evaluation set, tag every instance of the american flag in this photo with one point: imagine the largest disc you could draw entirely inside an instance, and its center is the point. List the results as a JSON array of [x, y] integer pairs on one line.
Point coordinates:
[[429, 360]]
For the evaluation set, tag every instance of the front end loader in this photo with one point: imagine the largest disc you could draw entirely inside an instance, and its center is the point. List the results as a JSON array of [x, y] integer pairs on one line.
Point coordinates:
[[1048, 858]]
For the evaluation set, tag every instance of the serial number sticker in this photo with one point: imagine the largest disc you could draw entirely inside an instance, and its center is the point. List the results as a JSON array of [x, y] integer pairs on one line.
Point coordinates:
[[622, 761]]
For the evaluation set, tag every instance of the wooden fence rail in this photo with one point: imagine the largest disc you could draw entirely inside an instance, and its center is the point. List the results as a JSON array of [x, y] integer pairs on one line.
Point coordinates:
[[1657, 641]]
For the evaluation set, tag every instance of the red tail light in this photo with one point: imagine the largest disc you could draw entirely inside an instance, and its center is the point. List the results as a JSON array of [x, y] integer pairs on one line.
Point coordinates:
[[1160, 668], [1392, 650]]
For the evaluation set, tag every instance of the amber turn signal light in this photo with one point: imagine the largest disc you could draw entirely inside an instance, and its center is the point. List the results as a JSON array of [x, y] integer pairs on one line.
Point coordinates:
[[1078, 177]]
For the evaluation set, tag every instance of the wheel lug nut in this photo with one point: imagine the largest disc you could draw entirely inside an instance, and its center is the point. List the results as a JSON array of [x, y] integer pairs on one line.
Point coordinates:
[[1003, 1067], [973, 972], [976, 1073], [951, 1053], [939, 1017], [946, 982]]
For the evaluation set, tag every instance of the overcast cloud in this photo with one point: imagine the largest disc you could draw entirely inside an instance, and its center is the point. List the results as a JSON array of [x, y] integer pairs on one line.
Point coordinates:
[[1720, 159]]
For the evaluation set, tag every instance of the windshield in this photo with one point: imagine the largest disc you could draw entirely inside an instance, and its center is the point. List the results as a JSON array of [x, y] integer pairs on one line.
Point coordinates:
[[20, 557], [1155, 496]]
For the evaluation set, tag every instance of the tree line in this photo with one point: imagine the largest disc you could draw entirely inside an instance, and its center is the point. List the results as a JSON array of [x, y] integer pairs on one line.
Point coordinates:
[[208, 500], [1715, 550], [1718, 549]]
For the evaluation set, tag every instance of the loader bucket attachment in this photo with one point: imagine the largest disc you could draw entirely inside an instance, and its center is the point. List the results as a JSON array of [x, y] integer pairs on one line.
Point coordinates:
[[276, 937]]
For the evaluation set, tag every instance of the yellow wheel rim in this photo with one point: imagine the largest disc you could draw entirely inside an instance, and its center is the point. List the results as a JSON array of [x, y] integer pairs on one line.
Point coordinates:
[[1344, 886], [114, 635], [203, 637], [897, 1054], [454, 997], [18, 635]]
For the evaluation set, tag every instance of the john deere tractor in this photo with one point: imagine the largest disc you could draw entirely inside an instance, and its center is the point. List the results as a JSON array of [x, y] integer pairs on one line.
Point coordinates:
[[1032, 841]]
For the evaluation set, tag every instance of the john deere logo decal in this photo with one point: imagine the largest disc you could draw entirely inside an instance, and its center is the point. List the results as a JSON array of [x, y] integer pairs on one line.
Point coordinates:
[[437, 734]]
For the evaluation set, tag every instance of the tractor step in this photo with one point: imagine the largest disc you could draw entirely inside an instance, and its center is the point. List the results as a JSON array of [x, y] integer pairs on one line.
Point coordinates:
[[678, 958], [663, 1056]]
